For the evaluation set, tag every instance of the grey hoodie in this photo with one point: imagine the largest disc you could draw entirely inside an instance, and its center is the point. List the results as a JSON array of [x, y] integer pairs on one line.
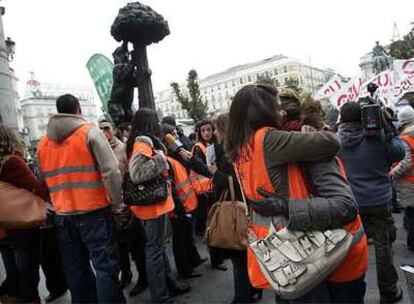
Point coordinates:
[[61, 126]]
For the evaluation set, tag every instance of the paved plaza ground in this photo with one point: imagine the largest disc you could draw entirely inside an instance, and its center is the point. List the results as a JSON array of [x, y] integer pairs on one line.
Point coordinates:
[[217, 287]]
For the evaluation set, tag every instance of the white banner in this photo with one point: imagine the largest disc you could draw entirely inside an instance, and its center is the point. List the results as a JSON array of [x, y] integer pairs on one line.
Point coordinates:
[[349, 92], [403, 68], [385, 84], [330, 88], [403, 86]]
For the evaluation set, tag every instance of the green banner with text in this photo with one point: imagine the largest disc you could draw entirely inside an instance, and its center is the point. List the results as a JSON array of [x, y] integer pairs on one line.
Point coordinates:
[[100, 69]]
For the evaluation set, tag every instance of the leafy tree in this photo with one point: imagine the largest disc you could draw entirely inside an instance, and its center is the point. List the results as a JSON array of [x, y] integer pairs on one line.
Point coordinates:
[[266, 79], [401, 50], [293, 83], [404, 48], [192, 101]]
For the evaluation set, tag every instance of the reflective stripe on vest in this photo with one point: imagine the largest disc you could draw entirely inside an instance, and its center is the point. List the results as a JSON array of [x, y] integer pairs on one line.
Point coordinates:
[[201, 184], [76, 185], [409, 175], [183, 186], [69, 169], [71, 173]]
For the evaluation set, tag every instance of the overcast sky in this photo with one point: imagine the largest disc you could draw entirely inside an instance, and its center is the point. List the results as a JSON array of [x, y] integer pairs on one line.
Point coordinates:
[[55, 38]]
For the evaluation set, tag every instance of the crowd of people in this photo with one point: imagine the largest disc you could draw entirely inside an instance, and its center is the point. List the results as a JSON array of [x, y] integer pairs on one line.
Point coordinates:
[[292, 166]]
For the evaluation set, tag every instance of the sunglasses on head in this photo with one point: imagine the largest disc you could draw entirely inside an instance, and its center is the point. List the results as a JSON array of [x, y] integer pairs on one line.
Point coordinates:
[[105, 128]]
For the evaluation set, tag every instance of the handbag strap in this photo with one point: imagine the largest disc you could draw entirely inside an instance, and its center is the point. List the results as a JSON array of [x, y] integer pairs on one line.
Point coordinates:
[[246, 208], [231, 188]]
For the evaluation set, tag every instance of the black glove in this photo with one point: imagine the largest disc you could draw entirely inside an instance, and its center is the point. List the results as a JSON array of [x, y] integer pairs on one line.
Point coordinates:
[[124, 218], [179, 210], [271, 205]]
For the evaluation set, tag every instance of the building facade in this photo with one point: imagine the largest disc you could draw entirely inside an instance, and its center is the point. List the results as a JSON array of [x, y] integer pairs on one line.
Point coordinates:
[[9, 110], [218, 89], [39, 103]]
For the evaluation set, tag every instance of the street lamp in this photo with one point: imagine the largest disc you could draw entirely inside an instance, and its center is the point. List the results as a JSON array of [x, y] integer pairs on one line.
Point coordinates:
[[10, 48]]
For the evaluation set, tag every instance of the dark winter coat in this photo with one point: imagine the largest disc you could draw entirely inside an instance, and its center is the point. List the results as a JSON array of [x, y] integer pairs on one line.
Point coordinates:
[[368, 161]]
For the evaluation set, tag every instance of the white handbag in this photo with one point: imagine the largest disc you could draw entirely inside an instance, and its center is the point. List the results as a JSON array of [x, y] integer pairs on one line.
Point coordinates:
[[295, 262]]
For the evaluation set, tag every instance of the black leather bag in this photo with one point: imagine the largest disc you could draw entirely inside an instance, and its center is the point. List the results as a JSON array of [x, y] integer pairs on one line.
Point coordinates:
[[146, 193]]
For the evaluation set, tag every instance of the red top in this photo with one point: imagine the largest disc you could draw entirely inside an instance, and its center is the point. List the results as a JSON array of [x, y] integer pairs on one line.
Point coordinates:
[[16, 172]]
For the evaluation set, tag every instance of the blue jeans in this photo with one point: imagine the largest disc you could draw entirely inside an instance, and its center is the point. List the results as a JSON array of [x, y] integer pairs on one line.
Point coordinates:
[[90, 236], [158, 267]]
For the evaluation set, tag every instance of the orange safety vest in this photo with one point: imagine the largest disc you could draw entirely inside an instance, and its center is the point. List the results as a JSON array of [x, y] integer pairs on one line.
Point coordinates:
[[356, 262], [71, 173], [253, 174], [151, 211], [201, 184], [183, 185], [409, 175]]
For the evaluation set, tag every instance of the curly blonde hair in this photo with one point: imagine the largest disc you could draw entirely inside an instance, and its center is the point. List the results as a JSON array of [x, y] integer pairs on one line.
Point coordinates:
[[9, 144]]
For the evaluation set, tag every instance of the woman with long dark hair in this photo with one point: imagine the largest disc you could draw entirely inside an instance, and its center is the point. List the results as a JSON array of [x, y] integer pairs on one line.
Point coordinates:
[[222, 170], [266, 160], [22, 262], [147, 160], [205, 137]]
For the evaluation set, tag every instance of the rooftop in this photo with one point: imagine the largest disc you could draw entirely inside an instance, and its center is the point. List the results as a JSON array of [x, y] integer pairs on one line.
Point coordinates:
[[245, 66]]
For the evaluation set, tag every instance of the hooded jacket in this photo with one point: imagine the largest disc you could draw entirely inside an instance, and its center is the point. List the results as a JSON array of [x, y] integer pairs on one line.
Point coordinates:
[[61, 126], [368, 160], [404, 188]]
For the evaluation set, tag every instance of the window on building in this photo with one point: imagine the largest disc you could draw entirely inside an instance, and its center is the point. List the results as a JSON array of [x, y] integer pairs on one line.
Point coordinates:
[[286, 79], [285, 69], [249, 78], [233, 83], [225, 85], [241, 80], [275, 71]]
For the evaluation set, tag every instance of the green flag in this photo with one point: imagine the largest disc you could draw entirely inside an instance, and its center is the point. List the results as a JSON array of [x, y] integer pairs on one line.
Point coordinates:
[[100, 69]]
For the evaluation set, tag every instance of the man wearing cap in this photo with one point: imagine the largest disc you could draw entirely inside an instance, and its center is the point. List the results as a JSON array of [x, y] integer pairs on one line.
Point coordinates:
[[132, 239], [403, 173], [117, 145]]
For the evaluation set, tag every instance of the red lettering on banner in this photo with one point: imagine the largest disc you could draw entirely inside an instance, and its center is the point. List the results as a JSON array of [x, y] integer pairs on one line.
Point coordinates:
[[408, 67], [341, 99]]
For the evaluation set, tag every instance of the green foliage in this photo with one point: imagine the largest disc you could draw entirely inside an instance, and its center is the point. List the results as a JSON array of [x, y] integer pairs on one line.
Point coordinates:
[[293, 83], [192, 101], [266, 79], [403, 49]]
